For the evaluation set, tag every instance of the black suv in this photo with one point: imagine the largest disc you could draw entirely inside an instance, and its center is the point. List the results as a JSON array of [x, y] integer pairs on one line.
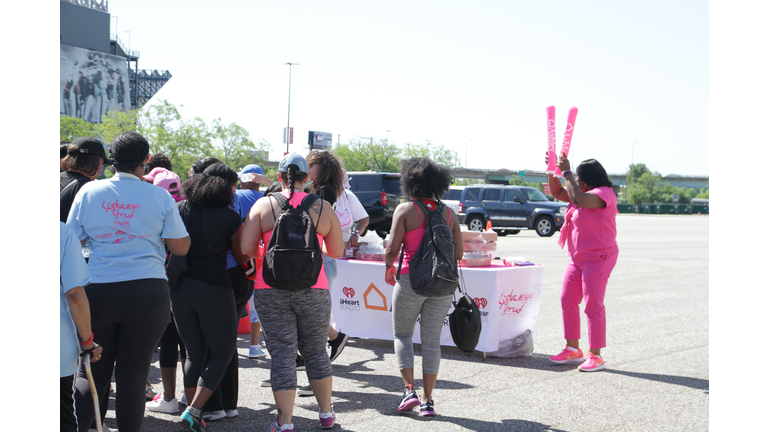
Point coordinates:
[[510, 209], [379, 193]]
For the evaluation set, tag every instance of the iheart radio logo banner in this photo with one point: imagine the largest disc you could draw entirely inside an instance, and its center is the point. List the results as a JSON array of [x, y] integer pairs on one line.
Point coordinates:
[[481, 302], [349, 292]]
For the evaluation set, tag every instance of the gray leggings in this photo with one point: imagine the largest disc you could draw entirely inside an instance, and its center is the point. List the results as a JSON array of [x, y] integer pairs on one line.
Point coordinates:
[[291, 321], [406, 307]]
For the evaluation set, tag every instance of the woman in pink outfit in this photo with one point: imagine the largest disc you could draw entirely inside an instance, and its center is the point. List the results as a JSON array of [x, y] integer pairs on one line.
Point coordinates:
[[590, 230]]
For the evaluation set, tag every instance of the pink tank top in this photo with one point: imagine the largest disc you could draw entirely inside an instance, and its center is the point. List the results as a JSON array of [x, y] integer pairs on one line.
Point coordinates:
[[412, 239], [322, 280]]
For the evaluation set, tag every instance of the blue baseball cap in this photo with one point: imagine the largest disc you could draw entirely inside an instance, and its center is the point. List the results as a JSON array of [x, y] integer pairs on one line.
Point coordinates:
[[251, 169], [293, 159]]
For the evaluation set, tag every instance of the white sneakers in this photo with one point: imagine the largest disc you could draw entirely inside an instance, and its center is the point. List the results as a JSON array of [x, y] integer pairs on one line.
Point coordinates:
[[256, 352], [160, 405]]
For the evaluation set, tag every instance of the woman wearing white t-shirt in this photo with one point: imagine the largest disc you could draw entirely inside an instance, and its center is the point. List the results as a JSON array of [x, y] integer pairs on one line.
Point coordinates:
[[127, 221]]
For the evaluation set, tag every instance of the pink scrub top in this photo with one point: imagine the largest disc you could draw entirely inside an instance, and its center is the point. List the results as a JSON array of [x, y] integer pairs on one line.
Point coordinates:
[[590, 231], [322, 280]]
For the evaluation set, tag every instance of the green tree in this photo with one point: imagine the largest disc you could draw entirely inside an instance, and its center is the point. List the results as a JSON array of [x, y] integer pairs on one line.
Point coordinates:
[[517, 181], [73, 127], [646, 188], [234, 147], [635, 171], [437, 153], [182, 141], [116, 122], [368, 155]]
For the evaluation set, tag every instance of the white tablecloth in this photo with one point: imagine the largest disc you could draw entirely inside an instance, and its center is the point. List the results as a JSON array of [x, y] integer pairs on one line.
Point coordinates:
[[508, 298]]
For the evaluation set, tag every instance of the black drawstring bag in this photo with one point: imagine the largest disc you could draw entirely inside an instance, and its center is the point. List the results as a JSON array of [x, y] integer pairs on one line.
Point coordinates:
[[465, 322]]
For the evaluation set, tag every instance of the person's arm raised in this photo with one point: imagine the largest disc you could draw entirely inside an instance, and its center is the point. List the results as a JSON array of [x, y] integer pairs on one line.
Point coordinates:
[[586, 200], [555, 187]]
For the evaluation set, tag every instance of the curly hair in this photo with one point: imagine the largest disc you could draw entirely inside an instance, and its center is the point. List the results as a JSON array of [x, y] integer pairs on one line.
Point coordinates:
[[420, 177], [159, 160], [592, 173], [128, 150], [213, 187], [329, 173]]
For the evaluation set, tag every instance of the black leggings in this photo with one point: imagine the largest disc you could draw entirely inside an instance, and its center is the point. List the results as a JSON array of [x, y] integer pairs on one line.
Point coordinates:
[[171, 346], [127, 320], [67, 404], [225, 395], [206, 319]]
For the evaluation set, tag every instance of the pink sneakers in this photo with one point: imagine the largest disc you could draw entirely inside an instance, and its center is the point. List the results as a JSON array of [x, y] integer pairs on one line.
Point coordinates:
[[593, 363], [568, 356]]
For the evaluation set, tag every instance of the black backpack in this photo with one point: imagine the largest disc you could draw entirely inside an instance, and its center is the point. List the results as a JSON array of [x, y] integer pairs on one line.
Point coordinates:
[[434, 270], [293, 259]]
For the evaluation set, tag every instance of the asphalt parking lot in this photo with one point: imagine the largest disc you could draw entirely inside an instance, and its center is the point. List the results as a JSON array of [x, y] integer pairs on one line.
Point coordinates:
[[657, 359]]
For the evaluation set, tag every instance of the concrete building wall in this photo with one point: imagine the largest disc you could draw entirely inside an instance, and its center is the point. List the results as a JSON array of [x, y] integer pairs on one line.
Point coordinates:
[[84, 27]]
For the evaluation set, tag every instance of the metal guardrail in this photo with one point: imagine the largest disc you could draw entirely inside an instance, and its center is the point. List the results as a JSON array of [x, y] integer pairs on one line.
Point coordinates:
[[129, 53]]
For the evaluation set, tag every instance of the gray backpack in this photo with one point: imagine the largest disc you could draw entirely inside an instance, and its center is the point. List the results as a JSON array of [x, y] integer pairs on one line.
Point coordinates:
[[434, 269]]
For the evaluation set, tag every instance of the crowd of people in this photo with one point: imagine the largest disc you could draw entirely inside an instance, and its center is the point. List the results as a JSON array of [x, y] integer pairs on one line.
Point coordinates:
[[117, 305]]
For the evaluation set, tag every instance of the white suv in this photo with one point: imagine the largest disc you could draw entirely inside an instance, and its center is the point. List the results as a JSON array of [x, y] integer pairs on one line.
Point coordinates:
[[452, 199]]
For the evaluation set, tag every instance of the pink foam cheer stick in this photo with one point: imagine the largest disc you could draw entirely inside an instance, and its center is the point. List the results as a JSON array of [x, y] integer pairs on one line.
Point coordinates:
[[551, 144], [568, 134]]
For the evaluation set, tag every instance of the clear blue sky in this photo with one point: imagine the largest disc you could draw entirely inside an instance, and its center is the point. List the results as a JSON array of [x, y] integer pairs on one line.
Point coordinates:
[[474, 77]]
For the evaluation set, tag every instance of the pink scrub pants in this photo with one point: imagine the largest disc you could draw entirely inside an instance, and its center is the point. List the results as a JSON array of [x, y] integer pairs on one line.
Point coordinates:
[[586, 278]]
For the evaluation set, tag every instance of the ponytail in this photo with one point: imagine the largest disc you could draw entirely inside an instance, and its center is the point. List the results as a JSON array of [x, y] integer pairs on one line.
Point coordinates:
[[291, 174]]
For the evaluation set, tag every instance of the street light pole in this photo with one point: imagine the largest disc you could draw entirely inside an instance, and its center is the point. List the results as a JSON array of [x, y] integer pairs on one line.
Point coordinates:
[[129, 42], [288, 127]]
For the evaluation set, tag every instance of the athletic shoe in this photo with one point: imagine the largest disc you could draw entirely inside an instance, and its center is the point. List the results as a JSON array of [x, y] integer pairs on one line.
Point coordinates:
[[266, 383], [288, 427], [427, 409], [231, 413], [214, 415], [256, 352], [300, 366], [191, 423], [149, 392], [159, 404], [409, 399], [304, 390], [337, 345], [568, 356], [593, 363], [327, 419]]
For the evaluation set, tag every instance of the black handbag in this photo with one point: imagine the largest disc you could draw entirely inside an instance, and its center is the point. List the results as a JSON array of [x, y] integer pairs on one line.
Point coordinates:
[[465, 322]]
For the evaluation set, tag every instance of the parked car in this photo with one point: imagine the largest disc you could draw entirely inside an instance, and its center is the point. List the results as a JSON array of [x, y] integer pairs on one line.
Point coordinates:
[[510, 209], [452, 199], [379, 193]]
